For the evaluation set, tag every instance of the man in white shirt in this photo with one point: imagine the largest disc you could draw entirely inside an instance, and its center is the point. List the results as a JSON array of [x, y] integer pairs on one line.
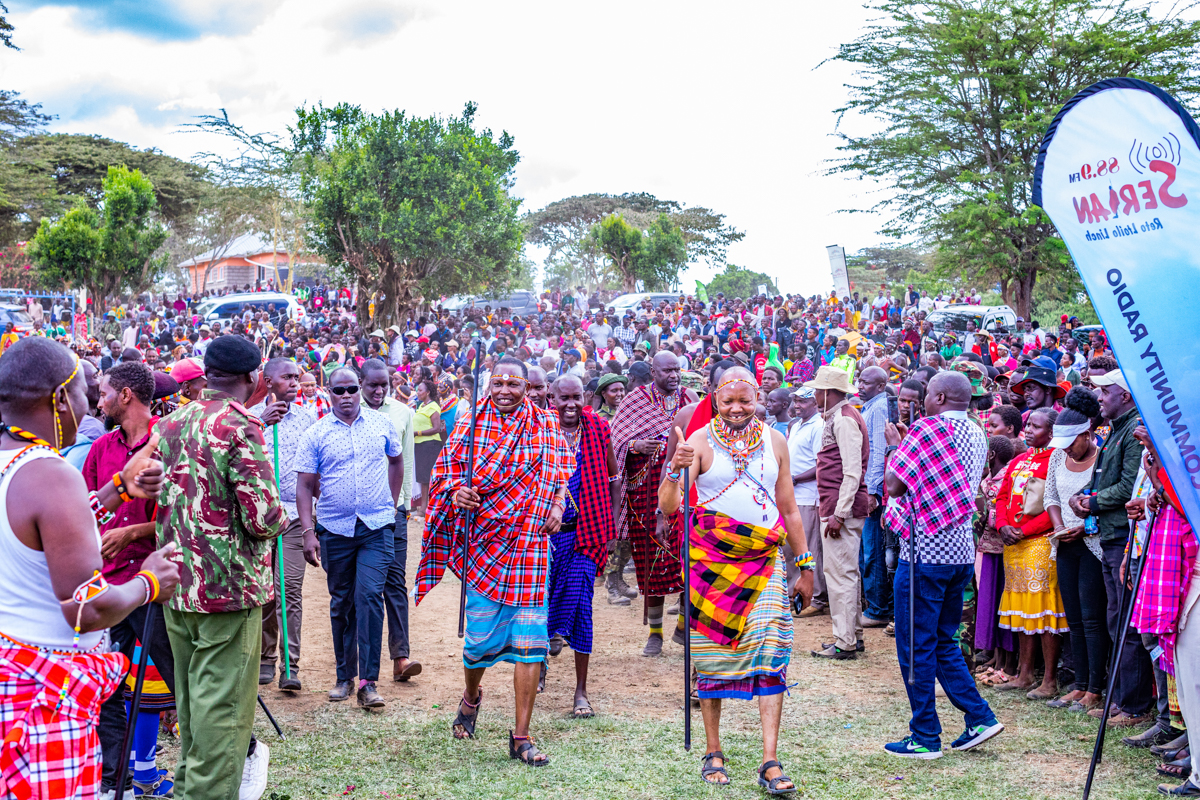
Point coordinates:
[[804, 440], [925, 303], [536, 341], [581, 301], [879, 306], [599, 331], [285, 422], [203, 342], [377, 394]]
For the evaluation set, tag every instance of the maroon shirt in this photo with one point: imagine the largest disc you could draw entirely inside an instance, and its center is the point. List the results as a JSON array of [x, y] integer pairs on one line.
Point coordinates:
[[108, 455]]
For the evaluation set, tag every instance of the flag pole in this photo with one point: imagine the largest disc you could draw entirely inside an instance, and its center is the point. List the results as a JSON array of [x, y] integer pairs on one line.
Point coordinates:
[[686, 602]]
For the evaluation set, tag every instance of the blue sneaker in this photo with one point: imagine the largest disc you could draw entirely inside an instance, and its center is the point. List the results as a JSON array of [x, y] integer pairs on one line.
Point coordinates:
[[975, 736], [908, 747]]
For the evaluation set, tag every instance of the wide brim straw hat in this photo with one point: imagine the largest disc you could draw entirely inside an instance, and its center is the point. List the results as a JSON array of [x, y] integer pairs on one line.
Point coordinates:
[[831, 378]]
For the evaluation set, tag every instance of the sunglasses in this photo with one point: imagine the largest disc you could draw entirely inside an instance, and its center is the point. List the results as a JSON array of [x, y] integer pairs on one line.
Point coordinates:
[[341, 390]]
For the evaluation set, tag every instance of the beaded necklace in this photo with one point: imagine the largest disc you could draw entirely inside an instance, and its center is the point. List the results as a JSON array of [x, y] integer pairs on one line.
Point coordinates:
[[741, 444], [667, 404], [33, 438]]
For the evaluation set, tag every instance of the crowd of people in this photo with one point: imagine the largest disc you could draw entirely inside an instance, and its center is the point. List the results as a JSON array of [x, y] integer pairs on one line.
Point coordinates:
[[842, 457]]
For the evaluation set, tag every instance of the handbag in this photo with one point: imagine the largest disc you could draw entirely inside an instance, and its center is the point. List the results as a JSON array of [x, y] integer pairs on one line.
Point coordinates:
[[1033, 498]]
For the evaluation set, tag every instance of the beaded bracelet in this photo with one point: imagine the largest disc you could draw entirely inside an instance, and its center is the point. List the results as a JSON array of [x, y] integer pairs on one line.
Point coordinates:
[[145, 582], [805, 561], [102, 514], [152, 584]]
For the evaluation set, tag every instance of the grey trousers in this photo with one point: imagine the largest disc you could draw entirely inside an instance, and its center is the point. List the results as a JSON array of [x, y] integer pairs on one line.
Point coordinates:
[[812, 532], [294, 566], [844, 582]]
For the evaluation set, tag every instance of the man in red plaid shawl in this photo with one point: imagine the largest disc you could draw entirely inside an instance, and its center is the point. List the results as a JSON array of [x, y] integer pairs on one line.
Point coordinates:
[[55, 605], [639, 433], [581, 545], [518, 497]]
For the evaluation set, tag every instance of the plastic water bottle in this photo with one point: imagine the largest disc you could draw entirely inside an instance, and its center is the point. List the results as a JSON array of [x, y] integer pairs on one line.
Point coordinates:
[[1090, 526]]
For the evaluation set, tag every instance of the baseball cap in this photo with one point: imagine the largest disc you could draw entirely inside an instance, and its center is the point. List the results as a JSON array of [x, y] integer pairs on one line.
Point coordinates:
[[1113, 378]]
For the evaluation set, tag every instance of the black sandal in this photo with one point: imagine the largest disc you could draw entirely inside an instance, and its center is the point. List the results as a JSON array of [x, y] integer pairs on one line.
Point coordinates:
[[526, 752], [772, 785], [464, 721], [1180, 769], [706, 768]]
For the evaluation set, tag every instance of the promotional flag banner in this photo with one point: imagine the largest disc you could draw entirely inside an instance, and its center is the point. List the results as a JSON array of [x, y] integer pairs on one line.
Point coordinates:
[[1119, 175], [837, 268]]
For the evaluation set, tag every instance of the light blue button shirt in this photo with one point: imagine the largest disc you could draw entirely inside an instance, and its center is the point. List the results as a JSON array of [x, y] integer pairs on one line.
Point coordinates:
[[352, 462]]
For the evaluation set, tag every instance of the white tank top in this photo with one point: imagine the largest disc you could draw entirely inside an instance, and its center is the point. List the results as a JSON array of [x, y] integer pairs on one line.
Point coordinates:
[[29, 609], [744, 500]]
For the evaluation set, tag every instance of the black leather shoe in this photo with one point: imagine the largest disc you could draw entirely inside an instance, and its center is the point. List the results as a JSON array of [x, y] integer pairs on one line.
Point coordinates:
[[266, 674], [1151, 737], [369, 698], [291, 684], [341, 691], [836, 653], [859, 645], [1185, 789]]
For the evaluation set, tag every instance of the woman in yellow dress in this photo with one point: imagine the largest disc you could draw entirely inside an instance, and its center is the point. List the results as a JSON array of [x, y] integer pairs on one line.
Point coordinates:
[[1031, 604]]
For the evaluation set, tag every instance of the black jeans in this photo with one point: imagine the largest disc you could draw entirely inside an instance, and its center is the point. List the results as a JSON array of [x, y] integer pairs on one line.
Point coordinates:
[[395, 591], [1081, 582], [113, 716], [1135, 676], [356, 569]]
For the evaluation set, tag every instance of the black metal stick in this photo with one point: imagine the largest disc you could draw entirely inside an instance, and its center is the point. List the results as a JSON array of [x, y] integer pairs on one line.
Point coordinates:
[[686, 602], [1128, 596], [469, 515], [912, 573], [136, 704], [267, 711]]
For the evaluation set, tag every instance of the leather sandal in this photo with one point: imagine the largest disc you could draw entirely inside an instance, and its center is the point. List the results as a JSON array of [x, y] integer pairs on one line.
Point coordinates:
[[706, 768], [524, 750], [772, 786], [467, 721]]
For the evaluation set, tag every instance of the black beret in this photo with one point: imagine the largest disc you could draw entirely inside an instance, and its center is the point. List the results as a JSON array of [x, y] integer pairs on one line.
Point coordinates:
[[232, 355], [164, 385]]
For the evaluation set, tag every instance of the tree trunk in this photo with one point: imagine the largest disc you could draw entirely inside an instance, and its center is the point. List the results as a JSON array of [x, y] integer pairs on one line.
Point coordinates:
[[1021, 291]]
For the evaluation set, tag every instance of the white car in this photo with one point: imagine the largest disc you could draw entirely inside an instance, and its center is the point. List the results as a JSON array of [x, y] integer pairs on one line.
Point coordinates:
[[230, 306], [629, 302]]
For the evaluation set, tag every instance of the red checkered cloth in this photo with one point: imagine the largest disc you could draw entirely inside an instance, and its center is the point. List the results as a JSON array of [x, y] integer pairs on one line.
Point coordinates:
[[926, 463], [49, 754], [1170, 556], [595, 528], [640, 416], [521, 461]]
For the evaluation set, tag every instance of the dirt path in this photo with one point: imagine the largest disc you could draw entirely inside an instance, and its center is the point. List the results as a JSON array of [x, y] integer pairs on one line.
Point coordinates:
[[620, 681]]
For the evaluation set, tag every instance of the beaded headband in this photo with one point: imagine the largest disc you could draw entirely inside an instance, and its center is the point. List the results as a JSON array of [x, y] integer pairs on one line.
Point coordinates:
[[725, 383]]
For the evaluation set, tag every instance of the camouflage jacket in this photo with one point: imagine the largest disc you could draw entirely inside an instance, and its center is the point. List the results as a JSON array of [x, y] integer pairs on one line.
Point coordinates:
[[219, 505]]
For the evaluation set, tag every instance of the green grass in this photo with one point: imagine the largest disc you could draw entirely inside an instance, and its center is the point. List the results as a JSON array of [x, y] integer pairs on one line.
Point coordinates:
[[830, 744]]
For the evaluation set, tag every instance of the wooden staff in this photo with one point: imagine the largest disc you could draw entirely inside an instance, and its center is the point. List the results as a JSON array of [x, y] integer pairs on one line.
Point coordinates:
[[469, 514]]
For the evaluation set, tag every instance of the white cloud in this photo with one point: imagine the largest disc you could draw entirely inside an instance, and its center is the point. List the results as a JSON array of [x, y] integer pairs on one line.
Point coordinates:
[[710, 104]]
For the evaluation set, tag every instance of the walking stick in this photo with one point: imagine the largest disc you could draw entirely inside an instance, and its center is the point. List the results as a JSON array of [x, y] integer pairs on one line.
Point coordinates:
[[686, 602], [468, 515], [1127, 602], [135, 706], [274, 724], [287, 653], [912, 574]]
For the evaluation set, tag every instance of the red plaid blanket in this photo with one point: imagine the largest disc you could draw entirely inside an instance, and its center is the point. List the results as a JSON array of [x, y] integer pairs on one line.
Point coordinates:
[[595, 528], [48, 753], [521, 460]]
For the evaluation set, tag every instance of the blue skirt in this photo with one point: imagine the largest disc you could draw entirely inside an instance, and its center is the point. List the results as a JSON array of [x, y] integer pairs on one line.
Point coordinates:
[[572, 581], [496, 632]]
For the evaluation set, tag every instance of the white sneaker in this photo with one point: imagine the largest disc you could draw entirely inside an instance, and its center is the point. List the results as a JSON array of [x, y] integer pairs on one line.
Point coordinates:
[[111, 794], [254, 774]]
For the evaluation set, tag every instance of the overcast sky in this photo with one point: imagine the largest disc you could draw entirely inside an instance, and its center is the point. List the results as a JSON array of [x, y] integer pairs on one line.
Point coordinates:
[[713, 104]]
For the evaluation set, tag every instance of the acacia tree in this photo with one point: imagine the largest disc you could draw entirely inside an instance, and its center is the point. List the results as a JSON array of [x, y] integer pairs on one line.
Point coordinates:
[[105, 251], [964, 90], [412, 207], [741, 282]]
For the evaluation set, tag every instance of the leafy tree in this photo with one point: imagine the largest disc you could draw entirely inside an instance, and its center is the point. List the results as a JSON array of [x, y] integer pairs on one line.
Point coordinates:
[[651, 258], [107, 251], [46, 173], [6, 29], [564, 226], [964, 90], [410, 207], [740, 282]]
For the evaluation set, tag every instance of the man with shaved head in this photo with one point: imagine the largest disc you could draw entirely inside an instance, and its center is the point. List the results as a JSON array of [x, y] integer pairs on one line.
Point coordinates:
[[932, 477], [580, 546], [639, 432], [539, 387]]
